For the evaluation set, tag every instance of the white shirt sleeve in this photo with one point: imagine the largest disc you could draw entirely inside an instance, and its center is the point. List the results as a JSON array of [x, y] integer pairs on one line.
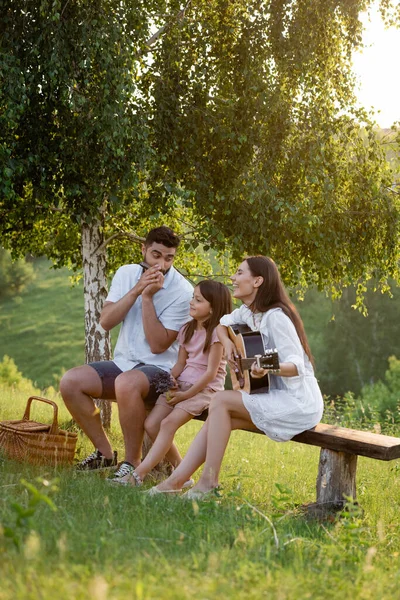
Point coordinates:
[[286, 339], [234, 318], [116, 290]]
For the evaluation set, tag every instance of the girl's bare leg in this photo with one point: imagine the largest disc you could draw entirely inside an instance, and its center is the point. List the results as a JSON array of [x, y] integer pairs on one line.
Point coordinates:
[[169, 426], [154, 419], [152, 428], [227, 412], [193, 459]]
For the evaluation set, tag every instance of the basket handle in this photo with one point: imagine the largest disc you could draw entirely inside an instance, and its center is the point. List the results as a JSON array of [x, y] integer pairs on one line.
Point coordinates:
[[54, 426]]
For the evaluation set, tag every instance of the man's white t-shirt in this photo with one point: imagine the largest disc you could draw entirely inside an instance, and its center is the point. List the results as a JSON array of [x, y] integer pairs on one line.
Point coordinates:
[[171, 304]]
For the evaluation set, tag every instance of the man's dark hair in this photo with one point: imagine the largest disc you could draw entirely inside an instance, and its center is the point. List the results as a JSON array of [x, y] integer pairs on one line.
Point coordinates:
[[162, 235]]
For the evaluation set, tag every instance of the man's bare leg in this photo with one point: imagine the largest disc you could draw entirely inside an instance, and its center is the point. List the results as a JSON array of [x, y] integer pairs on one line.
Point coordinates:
[[78, 387], [131, 389]]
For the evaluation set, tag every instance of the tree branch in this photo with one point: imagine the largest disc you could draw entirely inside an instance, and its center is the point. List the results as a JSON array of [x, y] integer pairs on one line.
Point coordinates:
[[65, 6], [164, 28], [121, 234]]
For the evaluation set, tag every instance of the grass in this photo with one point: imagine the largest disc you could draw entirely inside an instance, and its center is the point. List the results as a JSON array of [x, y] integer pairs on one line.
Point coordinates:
[[42, 330], [253, 542], [106, 543]]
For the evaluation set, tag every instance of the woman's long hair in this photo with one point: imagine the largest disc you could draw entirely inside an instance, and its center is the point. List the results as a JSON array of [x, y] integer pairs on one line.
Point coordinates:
[[219, 297], [272, 294]]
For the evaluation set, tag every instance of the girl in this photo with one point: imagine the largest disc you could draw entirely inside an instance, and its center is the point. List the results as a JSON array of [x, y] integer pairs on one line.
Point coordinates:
[[294, 402], [199, 372]]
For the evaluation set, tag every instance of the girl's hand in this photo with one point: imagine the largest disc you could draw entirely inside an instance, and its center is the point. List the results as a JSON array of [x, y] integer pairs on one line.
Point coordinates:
[[174, 385], [174, 397], [257, 372]]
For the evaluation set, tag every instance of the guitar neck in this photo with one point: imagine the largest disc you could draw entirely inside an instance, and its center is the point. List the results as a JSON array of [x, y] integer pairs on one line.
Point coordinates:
[[269, 362], [247, 362]]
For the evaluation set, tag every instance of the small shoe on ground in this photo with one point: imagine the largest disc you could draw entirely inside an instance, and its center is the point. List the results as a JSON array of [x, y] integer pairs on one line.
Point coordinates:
[[96, 462], [123, 469], [200, 495], [126, 475], [154, 491], [188, 484]]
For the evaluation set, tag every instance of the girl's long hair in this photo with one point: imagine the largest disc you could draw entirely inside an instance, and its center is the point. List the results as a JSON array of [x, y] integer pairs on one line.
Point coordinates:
[[219, 297], [272, 294]]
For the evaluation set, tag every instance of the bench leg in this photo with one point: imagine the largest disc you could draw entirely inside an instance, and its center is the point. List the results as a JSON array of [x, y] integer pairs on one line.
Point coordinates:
[[336, 479]]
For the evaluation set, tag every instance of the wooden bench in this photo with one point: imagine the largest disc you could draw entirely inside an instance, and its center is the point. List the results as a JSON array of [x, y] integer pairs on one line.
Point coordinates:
[[338, 460]]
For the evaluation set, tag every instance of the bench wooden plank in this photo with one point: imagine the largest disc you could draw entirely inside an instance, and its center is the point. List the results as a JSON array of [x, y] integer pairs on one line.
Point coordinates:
[[341, 439], [340, 447]]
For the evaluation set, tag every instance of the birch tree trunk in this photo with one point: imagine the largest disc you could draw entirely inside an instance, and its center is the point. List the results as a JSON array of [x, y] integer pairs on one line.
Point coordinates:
[[97, 340]]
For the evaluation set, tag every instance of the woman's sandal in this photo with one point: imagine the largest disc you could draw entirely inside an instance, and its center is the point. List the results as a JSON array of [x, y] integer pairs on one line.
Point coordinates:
[[200, 495], [154, 491]]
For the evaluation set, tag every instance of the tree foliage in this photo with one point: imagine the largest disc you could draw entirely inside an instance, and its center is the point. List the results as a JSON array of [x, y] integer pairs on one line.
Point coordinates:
[[237, 126], [258, 101]]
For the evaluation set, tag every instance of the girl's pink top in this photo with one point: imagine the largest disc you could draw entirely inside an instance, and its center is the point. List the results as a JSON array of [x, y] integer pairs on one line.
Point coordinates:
[[197, 361]]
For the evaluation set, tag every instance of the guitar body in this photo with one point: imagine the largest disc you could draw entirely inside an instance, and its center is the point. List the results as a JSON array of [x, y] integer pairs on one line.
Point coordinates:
[[249, 344]]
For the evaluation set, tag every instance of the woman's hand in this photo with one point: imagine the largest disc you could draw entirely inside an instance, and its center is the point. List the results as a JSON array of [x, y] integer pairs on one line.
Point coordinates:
[[257, 372]]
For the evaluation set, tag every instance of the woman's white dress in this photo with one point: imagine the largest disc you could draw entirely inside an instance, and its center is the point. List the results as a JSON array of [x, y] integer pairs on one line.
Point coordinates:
[[293, 404]]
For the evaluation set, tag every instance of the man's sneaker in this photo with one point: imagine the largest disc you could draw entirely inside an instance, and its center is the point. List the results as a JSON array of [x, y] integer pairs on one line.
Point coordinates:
[[96, 462]]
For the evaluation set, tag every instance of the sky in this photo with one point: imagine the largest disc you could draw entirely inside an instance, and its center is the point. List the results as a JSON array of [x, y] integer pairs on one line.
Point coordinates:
[[377, 70]]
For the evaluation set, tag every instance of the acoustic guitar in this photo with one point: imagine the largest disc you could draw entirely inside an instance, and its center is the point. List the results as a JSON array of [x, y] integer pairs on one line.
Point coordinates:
[[250, 349]]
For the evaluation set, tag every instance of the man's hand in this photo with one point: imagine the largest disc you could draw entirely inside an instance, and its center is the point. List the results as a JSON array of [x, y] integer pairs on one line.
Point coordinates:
[[155, 283], [150, 281]]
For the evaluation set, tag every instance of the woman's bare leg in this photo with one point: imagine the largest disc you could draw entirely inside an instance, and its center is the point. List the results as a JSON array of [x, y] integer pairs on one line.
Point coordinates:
[[227, 412]]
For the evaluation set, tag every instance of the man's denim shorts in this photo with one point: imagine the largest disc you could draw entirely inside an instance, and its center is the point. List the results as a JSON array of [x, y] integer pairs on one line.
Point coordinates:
[[108, 371]]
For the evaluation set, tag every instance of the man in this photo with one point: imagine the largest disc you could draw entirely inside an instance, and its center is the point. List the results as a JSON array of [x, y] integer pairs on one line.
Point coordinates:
[[152, 303]]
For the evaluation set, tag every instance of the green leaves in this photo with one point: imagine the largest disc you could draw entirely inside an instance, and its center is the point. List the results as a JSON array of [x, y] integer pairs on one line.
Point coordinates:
[[240, 118]]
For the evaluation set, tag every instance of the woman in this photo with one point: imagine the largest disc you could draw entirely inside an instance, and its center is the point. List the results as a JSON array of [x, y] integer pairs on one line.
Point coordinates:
[[294, 402]]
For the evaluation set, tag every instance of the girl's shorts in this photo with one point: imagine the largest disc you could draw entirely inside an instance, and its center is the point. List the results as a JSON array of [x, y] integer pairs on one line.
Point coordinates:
[[194, 406]]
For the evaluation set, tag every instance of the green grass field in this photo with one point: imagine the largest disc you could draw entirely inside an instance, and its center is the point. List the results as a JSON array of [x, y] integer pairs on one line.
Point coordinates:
[[43, 329], [107, 543], [254, 542]]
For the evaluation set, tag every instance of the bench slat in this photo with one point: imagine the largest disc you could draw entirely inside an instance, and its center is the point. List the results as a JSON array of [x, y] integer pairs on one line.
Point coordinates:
[[341, 439]]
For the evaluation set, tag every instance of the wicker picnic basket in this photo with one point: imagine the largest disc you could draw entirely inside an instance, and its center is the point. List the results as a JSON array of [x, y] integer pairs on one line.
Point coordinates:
[[37, 443]]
